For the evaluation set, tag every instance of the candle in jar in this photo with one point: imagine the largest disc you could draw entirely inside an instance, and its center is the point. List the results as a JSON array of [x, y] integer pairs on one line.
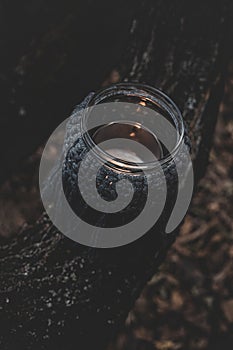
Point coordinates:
[[129, 152]]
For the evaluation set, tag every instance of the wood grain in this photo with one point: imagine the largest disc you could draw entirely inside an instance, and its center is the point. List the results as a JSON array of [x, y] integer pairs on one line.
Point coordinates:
[[57, 294]]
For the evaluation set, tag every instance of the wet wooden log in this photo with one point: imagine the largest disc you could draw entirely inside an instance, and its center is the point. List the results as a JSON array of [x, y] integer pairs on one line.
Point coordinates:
[[56, 294]]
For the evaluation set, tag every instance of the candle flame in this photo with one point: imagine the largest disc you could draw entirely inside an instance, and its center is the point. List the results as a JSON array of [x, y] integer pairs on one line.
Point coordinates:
[[138, 126]]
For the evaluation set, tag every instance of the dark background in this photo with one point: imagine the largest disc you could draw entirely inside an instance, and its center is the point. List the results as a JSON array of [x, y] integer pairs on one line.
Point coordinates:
[[52, 54]]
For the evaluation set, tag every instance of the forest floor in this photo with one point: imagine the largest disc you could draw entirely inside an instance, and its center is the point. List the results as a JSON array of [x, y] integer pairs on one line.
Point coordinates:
[[188, 304]]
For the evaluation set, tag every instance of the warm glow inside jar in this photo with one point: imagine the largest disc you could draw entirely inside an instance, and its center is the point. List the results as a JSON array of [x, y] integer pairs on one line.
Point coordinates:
[[118, 125], [130, 132]]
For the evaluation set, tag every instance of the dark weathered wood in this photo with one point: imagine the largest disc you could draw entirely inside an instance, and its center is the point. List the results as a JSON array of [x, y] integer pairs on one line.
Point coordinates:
[[183, 55], [56, 294]]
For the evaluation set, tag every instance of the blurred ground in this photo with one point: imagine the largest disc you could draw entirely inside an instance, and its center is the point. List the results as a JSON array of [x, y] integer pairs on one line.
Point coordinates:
[[189, 303]]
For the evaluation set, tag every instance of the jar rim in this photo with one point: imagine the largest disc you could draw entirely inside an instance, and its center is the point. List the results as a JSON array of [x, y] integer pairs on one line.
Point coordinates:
[[152, 94]]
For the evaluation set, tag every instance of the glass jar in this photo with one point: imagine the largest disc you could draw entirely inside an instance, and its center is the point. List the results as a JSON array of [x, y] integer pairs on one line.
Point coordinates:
[[131, 140]]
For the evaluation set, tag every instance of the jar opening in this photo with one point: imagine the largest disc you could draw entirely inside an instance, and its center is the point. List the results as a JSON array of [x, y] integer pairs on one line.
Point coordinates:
[[134, 113]]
